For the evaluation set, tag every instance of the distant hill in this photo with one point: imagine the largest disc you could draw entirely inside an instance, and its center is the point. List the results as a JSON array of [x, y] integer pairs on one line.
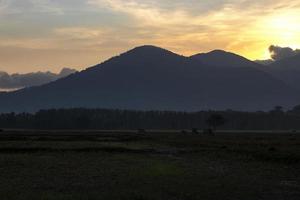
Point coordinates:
[[287, 70], [13, 81], [265, 62], [224, 59], [152, 78]]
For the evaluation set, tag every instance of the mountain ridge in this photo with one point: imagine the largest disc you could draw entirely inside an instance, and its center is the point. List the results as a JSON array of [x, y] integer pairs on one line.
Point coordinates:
[[152, 78], [225, 59], [287, 70]]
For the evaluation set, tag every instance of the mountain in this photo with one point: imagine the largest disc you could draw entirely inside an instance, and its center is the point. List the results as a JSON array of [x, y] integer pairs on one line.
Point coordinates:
[[265, 62], [225, 59], [66, 72], [287, 70], [152, 78], [14, 81]]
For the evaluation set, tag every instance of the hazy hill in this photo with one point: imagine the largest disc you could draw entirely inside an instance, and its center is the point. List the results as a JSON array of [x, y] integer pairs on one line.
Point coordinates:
[[287, 70], [13, 81], [265, 62], [149, 77]]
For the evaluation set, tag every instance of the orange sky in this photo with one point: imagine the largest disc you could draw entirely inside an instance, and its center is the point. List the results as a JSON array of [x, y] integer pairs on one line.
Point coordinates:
[[52, 34]]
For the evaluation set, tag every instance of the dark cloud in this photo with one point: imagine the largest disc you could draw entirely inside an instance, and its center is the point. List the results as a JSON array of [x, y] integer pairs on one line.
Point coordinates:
[[279, 53], [15, 81]]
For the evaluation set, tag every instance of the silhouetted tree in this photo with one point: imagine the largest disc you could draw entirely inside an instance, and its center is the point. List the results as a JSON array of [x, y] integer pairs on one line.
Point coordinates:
[[80, 118], [195, 130], [277, 110], [215, 120]]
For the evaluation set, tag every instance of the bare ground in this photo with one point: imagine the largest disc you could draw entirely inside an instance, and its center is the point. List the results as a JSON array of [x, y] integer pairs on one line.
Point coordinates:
[[157, 165]]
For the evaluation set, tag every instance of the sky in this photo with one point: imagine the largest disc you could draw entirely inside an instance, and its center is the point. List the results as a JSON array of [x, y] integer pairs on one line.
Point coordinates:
[[43, 35]]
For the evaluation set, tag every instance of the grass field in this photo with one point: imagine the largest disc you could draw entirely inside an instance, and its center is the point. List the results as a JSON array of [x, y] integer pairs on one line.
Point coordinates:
[[158, 165]]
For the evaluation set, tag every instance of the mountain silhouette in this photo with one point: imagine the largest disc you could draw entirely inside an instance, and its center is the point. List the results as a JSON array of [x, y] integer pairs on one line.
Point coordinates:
[[225, 59], [152, 78], [287, 70], [12, 81]]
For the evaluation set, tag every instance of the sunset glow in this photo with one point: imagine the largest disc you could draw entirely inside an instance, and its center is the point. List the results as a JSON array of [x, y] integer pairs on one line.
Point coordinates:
[[51, 34]]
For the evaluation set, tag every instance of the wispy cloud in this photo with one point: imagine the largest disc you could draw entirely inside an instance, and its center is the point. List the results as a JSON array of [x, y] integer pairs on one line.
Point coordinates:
[[230, 24], [82, 33], [29, 6], [91, 30]]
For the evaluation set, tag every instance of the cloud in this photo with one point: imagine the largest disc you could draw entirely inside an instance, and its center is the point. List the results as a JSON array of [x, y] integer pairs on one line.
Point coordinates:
[[204, 25], [167, 12], [191, 11], [79, 33], [16, 81], [82, 33], [279, 53], [8, 7]]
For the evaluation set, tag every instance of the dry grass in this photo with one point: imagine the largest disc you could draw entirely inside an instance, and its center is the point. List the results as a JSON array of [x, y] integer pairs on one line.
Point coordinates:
[[159, 165]]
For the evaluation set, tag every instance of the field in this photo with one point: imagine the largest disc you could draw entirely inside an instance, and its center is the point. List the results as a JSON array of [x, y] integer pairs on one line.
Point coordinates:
[[152, 165]]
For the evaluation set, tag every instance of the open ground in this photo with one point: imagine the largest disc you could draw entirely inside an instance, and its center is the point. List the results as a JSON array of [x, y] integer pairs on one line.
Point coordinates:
[[154, 165]]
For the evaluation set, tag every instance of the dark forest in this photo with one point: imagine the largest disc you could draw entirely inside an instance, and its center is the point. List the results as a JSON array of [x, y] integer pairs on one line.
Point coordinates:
[[79, 118]]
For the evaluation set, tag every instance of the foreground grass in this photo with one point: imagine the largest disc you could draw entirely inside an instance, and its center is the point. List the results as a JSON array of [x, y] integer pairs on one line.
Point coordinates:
[[151, 166]]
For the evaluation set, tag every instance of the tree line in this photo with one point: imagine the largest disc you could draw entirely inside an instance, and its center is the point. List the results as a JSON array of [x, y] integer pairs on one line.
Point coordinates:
[[108, 119]]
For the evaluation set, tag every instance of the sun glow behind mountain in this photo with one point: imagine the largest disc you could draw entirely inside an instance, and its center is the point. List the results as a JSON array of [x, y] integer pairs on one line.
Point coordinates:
[[48, 35], [287, 29]]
